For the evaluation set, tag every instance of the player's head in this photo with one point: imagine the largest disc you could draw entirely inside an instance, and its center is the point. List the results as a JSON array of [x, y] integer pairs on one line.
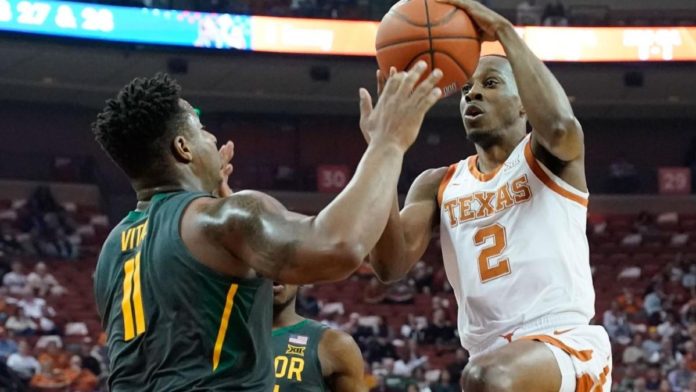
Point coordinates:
[[490, 105], [156, 137], [283, 295]]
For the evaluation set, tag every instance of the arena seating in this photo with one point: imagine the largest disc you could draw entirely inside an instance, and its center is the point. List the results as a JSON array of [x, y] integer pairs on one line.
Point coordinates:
[[660, 241]]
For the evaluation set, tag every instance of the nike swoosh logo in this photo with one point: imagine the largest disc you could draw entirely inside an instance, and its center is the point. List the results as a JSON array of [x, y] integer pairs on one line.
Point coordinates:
[[557, 332]]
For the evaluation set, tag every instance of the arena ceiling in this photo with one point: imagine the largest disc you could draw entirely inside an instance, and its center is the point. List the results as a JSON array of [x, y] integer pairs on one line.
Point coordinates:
[[85, 74]]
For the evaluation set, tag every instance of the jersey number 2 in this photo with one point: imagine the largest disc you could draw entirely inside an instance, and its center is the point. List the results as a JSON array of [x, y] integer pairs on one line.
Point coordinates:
[[487, 271]]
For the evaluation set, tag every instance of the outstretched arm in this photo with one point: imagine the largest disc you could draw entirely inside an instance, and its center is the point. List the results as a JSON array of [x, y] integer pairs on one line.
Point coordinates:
[[258, 231], [408, 233], [341, 362]]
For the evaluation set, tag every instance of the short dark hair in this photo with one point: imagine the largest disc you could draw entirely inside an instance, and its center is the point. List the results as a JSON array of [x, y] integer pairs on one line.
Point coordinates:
[[135, 127]]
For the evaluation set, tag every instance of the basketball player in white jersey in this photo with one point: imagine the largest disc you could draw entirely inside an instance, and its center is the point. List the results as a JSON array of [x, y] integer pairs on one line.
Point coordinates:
[[512, 225]]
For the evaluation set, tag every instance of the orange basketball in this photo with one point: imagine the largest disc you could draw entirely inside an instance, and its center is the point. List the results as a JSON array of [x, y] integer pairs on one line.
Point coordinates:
[[442, 35]]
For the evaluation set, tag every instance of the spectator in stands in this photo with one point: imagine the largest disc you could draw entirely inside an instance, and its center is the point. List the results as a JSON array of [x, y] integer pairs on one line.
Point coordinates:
[[8, 346], [555, 14], [628, 379], [419, 377], [652, 346], [652, 378], [689, 278], [652, 303], [445, 383], [668, 360], [80, 378], [639, 385], [16, 280], [5, 310], [23, 363], [11, 242], [528, 13], [43, 281], [21, 325], [422, 275], [628, 302], [634, 352], [440, 331], [680, 377], [610, 319], [87, 358], [53, 354], [461, 359], [408, 360], [668, 327], [37, 309], [50, 377]]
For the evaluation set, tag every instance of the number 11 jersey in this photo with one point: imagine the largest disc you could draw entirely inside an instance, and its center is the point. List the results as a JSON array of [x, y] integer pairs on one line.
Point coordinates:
[[172, 323], [514, 248]]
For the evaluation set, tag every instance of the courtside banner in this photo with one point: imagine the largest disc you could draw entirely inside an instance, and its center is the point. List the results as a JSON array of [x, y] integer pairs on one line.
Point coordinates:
[[318, 36]]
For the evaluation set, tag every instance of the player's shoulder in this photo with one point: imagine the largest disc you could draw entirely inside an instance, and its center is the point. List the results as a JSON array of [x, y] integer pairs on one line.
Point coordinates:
[[337, 347]]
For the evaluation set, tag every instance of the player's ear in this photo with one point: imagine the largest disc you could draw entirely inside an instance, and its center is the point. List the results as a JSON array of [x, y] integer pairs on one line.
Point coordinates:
[[181, 149]]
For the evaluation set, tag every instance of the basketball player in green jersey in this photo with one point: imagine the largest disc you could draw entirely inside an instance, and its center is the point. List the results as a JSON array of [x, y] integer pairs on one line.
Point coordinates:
[[183, 282], [309, 356]]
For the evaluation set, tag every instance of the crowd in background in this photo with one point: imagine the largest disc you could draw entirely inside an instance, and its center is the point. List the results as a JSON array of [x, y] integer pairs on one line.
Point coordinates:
[[36, 351]]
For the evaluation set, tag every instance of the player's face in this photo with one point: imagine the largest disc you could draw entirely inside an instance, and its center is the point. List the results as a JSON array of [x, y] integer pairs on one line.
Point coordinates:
[[490, 100], [206, 158], [283, 293]]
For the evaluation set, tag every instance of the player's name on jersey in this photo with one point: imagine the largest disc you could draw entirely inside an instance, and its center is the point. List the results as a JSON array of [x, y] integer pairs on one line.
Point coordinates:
[[133, 236], [479, 205]]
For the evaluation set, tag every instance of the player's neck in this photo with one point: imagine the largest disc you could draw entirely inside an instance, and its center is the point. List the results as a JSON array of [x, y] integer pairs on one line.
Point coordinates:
[[145, 188], [490, 158], [286, 317]]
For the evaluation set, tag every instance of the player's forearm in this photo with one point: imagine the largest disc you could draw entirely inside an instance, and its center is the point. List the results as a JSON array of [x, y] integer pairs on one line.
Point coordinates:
[[547, 105], [388, 255], [358, 215]]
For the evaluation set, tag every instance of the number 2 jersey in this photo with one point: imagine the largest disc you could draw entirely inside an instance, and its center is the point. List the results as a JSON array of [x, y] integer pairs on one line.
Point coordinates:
[[172, 323], [514, 248]]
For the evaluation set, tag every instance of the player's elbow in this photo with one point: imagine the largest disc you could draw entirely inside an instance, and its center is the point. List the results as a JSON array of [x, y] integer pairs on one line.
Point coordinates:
[[567, 139], [346, 257], [387, 272]]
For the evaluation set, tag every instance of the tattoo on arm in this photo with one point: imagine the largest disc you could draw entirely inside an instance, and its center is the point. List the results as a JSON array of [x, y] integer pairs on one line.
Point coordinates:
[[269, 237]]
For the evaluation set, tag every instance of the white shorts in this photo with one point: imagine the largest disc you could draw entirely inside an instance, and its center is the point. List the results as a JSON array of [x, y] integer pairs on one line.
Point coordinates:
[[583, 354]]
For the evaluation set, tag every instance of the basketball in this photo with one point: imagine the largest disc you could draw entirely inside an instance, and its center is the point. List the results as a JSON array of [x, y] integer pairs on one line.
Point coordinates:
[[441, 34]]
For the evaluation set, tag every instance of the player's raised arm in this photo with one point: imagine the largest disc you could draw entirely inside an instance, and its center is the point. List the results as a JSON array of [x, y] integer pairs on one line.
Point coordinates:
[[408, 233], [292, 248], [546, 103], [341, 362]]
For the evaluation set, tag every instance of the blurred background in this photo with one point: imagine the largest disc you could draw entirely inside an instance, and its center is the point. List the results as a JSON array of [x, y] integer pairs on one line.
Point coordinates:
[[280, 78]]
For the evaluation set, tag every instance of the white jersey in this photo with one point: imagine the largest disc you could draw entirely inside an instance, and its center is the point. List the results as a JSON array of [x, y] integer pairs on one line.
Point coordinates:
[[514, 248]]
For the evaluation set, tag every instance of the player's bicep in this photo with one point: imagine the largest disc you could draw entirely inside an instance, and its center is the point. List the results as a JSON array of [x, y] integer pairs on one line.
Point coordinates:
[[276, 243], [566, 143]]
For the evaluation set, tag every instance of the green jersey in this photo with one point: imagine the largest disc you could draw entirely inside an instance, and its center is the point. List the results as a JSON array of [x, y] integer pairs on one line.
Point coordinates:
[[297, 365], [173, 324]]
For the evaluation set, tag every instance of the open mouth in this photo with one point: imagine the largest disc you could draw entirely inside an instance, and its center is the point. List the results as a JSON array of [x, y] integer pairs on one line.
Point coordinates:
[[278, 288], [473, 112]]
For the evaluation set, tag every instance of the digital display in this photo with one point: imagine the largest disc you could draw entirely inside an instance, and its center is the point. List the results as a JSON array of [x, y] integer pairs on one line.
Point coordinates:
[[126, 24], [318, 36]]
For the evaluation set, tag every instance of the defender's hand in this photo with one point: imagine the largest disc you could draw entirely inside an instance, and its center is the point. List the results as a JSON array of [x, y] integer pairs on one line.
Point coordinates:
[[488, 21], [381, 81], [398, 116], [226, 154]]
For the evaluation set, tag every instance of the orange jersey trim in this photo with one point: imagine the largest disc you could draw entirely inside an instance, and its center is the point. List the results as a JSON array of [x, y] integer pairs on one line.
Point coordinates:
[[584, 383], [541, 175], [483, 177], [445, 181]]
